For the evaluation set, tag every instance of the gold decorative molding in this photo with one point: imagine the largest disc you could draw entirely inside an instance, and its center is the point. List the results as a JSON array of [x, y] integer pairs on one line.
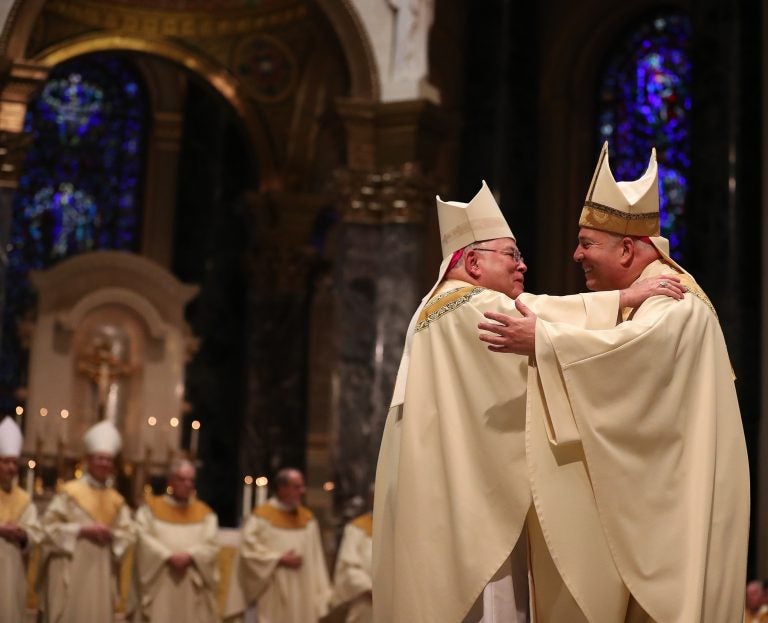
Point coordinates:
[[393, 195], [186, 24], [13, 150], [20, 80]]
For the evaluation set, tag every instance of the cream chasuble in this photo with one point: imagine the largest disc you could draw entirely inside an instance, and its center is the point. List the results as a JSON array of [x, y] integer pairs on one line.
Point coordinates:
[[164, 527], [78, 576], [452, 489], [652, 402], [352, 578], [15, 507], [284, 595]]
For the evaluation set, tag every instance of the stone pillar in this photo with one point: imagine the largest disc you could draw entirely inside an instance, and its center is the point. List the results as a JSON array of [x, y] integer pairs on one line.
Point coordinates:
[[20, 80], [162, 173], [378, 286]]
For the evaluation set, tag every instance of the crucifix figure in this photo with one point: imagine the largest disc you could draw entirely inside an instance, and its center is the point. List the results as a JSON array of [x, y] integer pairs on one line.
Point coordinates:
[[103, 365]]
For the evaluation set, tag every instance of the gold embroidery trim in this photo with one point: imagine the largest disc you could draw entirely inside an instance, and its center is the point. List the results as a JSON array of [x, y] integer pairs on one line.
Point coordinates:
[[444, 303], [12, 504], [102, 505], [194, 512], [365, 523], [284, 519], [597, 216]]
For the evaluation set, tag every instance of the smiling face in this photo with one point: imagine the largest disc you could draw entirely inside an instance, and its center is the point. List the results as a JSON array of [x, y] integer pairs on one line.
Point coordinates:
[[600, 254], [498, 268]]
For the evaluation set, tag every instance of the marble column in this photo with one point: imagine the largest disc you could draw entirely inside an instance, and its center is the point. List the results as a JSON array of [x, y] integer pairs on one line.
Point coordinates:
[[378, 270]]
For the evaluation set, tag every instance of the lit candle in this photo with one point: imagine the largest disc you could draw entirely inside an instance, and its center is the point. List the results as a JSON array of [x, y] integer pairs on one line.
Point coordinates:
[[64, 417], [247, 496], [20, 416], [261, 490], [31, 478], [194, 438]]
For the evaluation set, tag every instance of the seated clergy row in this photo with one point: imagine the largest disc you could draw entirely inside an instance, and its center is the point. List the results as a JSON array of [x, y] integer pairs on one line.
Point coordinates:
[[279, 575]]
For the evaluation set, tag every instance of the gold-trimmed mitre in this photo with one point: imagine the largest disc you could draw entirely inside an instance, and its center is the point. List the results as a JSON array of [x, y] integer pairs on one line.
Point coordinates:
[[464, 223], [626, 208]]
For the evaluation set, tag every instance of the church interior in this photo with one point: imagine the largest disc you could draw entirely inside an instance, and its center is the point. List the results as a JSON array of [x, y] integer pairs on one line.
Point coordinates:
[[217, 216]]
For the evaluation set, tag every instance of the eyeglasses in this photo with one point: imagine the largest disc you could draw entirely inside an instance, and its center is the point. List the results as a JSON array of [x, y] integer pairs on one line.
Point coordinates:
[[515, 255]]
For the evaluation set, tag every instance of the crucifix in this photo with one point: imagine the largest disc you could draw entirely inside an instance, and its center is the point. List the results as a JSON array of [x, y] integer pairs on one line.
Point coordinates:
[[104, 368]]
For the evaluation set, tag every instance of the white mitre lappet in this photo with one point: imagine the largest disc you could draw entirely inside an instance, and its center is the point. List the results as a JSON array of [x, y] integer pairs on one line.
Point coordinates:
[[10, 438], [103, 438], [626, 208], [460, 224]]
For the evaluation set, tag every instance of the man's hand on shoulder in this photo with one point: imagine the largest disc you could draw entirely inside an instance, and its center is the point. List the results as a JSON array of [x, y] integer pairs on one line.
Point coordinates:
[[661, 285], [508, 334]]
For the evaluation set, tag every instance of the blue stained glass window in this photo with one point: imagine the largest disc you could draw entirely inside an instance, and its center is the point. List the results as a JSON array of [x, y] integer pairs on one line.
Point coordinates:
[[80, 184], [645, 101]]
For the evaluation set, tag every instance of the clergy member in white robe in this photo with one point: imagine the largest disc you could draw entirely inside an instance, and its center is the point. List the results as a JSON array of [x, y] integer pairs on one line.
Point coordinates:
[[282, 566], [176, 553], [87, 529], [647, 414], [352, 582], [19, 527], [452, 484]]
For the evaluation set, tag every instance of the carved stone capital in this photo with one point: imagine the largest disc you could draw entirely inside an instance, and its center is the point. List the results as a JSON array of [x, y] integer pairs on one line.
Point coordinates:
[[392, 195]]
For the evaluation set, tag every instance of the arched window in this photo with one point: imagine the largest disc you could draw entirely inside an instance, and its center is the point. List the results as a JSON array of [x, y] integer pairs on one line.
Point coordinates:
[[645, 101], [80, 186]]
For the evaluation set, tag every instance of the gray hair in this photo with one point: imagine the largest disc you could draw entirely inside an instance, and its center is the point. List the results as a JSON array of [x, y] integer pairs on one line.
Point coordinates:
[[179, 463]]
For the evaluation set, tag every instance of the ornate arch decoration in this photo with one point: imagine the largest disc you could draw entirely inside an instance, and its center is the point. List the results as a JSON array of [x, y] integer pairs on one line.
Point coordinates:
[[222, 81], [363, 71], [72, 319]]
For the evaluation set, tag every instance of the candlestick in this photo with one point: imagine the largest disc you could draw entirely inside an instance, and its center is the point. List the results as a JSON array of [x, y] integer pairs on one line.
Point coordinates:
[[64, 418], [194, 438], [247, 496], [261, 490], [31, 478]]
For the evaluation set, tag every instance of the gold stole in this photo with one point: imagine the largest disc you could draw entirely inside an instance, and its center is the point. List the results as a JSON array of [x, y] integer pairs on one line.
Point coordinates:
[[193, 512], [12, 504], [365, 523], [101, 504], [288, 520]]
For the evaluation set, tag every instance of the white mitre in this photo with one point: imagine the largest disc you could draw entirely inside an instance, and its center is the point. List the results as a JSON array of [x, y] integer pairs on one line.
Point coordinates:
[[102, 438], [10, 438], [460, 224], [626, 208]]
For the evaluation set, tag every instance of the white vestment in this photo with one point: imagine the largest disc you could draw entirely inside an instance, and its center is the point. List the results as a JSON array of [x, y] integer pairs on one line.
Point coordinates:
[[15, 507], [452, 484], [79, 577], [640, 444], [165, 527], [284, 595], [352, 583]]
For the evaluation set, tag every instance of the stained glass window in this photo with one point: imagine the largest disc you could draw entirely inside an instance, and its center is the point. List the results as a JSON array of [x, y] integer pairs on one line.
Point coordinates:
[[645, 101], [79, 188]]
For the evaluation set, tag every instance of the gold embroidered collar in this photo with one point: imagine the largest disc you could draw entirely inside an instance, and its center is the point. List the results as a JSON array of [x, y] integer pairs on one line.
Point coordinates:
[[165, 508]]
